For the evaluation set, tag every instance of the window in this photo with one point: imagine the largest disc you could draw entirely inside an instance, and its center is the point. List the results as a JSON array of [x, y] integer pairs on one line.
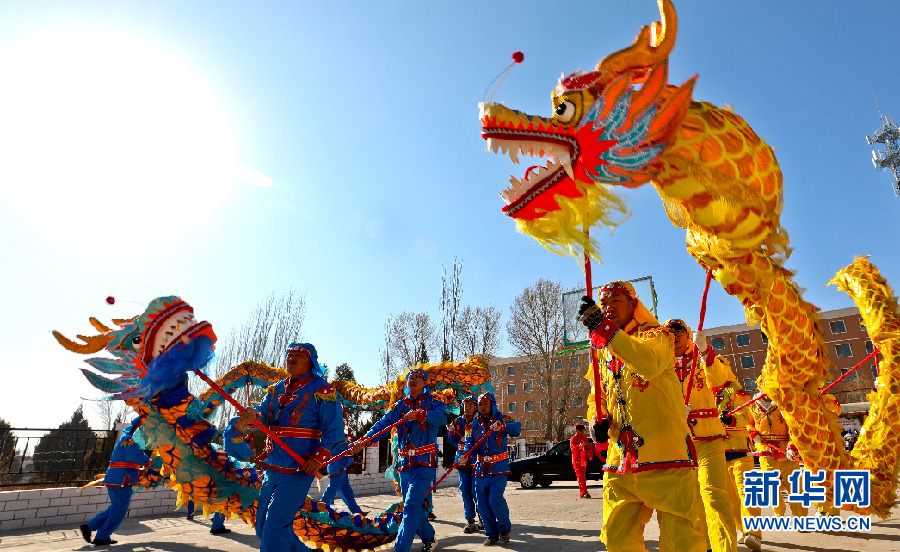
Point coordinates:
[[510, 370], [747, 362], [560, 383], [544, 384], [525, 368], [511, 407], [743, 340], [576, 382], [558, 365], [543, 405], [573, 364], [837, 326], [765, 338], [510, 388], [577, 401], [529, 424], [869, 348], [560, 404], [874, 371], [750, 385], [843, 350], [852, 377], [529, 406], [861, 325], [527, 387], [718, 343]]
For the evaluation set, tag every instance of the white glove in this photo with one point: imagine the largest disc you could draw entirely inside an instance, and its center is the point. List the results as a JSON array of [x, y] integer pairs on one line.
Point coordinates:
[[700, 340], [757, 439], [791, 453], [498, 426], [687, 410]]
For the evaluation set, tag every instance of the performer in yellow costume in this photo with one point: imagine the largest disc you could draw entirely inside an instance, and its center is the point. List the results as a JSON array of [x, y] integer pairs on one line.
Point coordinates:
[[651, 455], [738, 452], [774, 449], [707, 432]]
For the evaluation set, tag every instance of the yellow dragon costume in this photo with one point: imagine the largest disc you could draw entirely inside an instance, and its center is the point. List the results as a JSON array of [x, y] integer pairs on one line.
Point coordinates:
[[623, 124]]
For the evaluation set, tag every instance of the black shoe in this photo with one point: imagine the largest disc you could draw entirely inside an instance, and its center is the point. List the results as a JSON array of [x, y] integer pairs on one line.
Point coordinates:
[[491, 541], [104, 542], [480, 525], [504, 537], [587, 495], [430, 546], [220, 531], [470, 527], [431, 516], [85, 532], [190, 517]]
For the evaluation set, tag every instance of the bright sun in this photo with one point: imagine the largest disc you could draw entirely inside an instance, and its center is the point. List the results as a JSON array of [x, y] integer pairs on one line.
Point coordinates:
[[99, 130]]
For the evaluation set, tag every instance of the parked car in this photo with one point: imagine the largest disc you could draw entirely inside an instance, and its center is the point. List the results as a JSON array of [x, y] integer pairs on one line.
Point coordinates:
[[553, 465]]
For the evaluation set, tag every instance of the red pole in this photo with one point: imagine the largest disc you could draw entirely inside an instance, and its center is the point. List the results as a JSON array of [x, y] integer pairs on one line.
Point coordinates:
[[451, 468], [756, 398], [687, 397], [275, 439], [379, 434], [589, 291], [850, 371]]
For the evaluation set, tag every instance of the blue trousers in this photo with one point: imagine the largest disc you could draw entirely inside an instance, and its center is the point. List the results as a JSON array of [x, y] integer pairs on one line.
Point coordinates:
[[280, 498], [491, 503], [339, 483], [467, 489], [107, 521], [414, 484]]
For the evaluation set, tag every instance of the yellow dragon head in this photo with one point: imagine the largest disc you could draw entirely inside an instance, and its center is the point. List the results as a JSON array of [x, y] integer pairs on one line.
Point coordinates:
[[605, 131]]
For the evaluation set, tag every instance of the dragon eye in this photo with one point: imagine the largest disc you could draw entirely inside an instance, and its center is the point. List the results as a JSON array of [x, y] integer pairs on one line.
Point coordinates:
[[136, 340], [565, 112]]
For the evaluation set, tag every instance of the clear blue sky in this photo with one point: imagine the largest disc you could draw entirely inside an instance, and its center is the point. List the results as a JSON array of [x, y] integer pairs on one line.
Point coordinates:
[[224, 151]]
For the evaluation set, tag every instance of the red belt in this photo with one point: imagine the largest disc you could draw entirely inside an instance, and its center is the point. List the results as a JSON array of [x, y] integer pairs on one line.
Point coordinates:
[[494, 458], [125, 465], [417, 451], [297, 432]]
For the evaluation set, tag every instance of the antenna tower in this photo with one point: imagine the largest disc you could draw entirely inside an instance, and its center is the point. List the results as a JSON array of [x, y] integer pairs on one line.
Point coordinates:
[[889, 136]]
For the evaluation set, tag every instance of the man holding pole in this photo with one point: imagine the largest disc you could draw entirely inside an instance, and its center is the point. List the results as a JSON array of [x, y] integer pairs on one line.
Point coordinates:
[[421, 416], [459, 433], [303, 411], [692, 360], [650, 461]]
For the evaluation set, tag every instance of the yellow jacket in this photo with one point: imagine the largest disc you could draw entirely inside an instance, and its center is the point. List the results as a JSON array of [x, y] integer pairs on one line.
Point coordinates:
[[769, 424], [730, 395], [642, 399], [703, 419]]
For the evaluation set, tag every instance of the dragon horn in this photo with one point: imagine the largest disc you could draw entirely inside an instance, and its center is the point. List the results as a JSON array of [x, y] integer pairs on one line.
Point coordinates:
[[99, 325], [122, 321], [652, 45], [93, 344]]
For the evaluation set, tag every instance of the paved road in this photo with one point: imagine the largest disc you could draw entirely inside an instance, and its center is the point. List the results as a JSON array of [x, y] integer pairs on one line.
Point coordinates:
[[544, 519]]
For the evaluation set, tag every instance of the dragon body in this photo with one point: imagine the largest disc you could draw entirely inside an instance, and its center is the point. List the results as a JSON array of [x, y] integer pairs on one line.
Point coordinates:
[[623, 124], [152, 355]]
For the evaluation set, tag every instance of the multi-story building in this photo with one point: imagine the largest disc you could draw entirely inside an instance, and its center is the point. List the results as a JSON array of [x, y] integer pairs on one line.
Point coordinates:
[[521, 393]]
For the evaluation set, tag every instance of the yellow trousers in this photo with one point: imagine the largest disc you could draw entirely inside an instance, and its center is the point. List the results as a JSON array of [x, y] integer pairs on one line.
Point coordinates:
[[737, 467], [786, 467], [713, 480], [629, 500]]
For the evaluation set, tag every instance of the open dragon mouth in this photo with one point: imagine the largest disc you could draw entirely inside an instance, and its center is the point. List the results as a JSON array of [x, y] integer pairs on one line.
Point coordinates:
[[171, 326], [533, 136]]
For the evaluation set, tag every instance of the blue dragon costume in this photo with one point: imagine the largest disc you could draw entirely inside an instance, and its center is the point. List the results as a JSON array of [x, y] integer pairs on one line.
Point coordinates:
[[152, 356]]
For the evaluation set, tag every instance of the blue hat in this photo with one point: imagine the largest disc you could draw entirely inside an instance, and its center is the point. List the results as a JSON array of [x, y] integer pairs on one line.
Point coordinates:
[[309, 351]]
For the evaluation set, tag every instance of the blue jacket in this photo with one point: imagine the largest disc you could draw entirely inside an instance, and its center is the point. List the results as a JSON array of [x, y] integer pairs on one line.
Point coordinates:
[[234, 443], [491, 456], [335, 467], [310, 420], [460, 436], [125, 463], [418, 439]]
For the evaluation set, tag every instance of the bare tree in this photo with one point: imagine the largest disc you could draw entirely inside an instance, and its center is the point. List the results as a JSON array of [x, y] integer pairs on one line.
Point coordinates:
[[263, 336], [412, 338], [111, 413], [477, 332], [388, 371], [451, 292], [535, 330]]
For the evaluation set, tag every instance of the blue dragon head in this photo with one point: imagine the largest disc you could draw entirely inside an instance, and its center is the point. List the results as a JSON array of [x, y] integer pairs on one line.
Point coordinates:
[[152, 352]]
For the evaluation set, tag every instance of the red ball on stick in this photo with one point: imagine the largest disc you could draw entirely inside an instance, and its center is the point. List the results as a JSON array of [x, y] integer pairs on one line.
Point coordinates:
[[518, 57], [111, 300]]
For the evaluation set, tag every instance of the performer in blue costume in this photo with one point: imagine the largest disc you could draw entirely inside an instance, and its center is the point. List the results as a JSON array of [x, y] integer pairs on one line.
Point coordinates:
[[492, 468], [417, 461], [124, 467], [304, 412], [459, 434]]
